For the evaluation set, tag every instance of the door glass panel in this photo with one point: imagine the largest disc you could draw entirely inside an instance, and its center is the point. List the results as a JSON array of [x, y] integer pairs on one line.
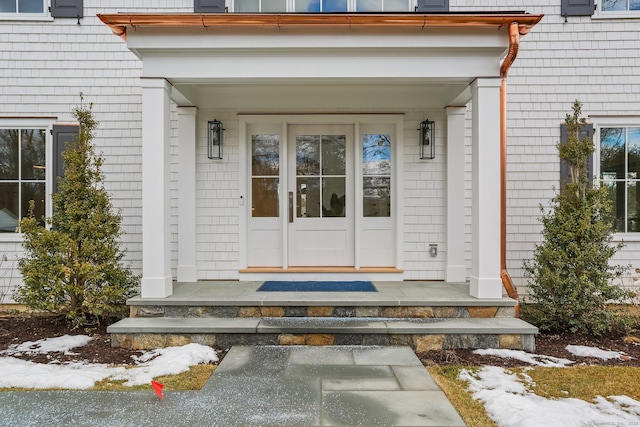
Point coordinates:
[[308, 155], [265, 169], [264, 197], [333, 155], [308, 197], [376, 175], [376, 196], [265, 155], [333, 197], [612, 153]]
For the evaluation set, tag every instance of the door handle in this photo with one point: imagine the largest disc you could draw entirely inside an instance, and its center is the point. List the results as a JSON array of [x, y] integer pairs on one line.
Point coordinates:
[[290, 206]]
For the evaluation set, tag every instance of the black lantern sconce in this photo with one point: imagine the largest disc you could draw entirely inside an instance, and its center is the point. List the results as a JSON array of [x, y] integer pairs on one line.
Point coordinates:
[[216, 132], [427, 140]]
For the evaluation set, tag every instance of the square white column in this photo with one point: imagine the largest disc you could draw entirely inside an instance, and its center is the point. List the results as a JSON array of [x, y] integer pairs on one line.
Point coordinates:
[[156, 237], [187, 270], [485, 235], [456, 270]]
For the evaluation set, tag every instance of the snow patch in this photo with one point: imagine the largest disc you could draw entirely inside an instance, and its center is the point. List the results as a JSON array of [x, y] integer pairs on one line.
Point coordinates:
[[508, 402], [584, 351], [61, 344], [532, 359]]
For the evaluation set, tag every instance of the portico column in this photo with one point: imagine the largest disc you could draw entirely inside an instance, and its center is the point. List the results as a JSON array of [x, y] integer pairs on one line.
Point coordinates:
[[187, 271], [156, 261], [485, 229], [455, 268]]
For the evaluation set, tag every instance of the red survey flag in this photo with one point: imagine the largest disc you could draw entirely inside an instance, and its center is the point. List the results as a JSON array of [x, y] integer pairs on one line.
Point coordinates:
[[157, 388]]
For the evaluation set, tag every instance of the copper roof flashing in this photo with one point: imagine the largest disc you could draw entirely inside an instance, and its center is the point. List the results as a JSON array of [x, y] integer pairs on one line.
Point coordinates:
[[118, 23]]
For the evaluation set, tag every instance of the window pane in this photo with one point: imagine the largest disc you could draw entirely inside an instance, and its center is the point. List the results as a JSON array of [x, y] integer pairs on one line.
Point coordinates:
[[376, 196], [634, 5], [396, 5], [369, 6], [334, 5], [264, 197], [333, 155], [30, 6], [308, 155], [612, 153], [633, 146], [265, 155], [33, 191], [247, 6], [274, 5], [33, 154], [7, 6], [615, 192], [613, 5], [8, 207], [333, 197], [308, 197], [376, 154], [633, 206], [9, 153], [307, 5]]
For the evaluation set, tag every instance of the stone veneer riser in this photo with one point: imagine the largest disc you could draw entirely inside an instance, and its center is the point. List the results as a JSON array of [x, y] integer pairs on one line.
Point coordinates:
[[420, 343], [321, 311]]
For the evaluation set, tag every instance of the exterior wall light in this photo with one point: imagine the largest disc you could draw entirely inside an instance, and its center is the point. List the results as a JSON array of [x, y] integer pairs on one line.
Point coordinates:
[[216, 132], [427, 141]]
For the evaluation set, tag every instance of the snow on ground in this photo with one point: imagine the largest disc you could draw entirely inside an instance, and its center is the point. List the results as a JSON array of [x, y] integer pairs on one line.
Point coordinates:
[[509, 402], [584, 351], [532, 359], [82, 375], [61, 344]]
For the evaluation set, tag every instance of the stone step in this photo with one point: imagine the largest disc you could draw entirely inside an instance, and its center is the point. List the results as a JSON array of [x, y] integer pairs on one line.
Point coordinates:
[[420, 334]]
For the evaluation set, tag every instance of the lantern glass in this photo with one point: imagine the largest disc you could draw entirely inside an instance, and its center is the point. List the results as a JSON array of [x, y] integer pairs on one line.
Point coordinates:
[[215, 139], [427, 141]]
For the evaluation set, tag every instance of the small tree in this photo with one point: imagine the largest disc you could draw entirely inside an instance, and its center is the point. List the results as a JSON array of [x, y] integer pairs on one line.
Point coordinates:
[[75, 267], [570, 274]]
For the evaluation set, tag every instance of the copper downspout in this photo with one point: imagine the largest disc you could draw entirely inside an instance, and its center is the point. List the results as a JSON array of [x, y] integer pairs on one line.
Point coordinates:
[[514, 44]]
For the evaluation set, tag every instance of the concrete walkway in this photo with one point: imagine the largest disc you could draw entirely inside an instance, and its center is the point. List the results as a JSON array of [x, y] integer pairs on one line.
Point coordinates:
[[263, 386]]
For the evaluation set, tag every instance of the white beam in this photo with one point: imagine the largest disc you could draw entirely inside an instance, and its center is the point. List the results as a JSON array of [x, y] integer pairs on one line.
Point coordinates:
[[156, 261], [456, 270], [187, 267], [485, 236]]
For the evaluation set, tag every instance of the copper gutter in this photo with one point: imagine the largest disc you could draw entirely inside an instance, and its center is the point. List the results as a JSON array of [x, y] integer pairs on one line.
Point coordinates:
[[514, 44], [118, 23]]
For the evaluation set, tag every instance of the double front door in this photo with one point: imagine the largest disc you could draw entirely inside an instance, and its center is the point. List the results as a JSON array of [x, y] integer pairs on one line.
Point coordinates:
[[315, 188]]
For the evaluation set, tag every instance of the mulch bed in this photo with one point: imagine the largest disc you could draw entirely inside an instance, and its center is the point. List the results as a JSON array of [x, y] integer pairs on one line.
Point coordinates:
[[17, 329]]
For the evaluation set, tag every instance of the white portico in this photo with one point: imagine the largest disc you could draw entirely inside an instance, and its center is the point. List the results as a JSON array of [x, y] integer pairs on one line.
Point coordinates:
[[304, 100]]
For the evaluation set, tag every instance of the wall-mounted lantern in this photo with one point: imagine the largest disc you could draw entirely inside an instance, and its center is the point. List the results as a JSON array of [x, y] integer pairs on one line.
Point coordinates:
[[215, 139], [427, 141]]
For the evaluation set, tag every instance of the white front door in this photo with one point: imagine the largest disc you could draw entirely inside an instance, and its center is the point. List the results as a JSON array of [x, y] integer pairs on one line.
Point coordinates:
[[320, 184]]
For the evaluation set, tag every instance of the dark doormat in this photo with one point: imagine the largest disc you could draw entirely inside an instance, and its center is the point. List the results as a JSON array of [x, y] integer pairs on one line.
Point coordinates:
[[282, 286]]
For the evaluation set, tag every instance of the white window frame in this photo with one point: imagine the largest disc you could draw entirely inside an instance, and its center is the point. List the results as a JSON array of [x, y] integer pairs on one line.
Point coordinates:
[[617, 14], [34, 123], [22, 16], [351, 6], [612, 122]]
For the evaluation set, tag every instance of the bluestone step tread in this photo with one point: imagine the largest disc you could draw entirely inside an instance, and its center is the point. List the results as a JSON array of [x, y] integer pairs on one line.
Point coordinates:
[[271, 325]]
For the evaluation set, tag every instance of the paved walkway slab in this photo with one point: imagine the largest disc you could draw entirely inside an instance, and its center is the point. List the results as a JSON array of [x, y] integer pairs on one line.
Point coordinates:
[[263, 386]]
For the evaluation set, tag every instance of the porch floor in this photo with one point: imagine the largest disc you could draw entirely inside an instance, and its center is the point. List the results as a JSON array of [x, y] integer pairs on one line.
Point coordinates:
[[409, 293]]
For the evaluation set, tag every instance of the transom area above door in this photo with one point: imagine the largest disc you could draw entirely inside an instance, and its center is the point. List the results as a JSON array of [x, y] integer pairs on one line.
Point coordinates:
[[320, 191]]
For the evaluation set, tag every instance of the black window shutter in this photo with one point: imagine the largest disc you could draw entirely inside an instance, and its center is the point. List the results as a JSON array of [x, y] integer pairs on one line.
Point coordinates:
[[67, 9], [208, 6], [577, 7], [433, 6], [62, 135], [586, 130]]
